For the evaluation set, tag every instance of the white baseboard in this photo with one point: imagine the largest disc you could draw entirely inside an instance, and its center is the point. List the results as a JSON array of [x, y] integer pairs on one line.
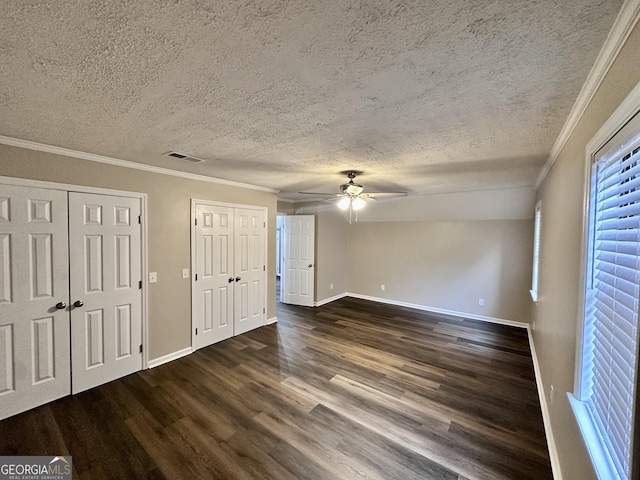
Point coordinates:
[[546, 417], [184, 352], [330, 299], [169, 357], [426, 308]]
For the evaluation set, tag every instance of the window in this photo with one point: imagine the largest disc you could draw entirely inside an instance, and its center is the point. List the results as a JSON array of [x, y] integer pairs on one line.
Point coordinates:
[[536, 251], [605, 402]]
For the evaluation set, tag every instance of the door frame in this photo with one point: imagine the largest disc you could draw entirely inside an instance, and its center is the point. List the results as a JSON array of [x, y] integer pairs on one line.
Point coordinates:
[[196, 201], [24, 182]]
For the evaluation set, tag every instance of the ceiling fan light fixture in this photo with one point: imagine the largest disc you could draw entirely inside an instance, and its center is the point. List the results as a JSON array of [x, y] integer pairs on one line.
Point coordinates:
[[344, 202], [352, 196]]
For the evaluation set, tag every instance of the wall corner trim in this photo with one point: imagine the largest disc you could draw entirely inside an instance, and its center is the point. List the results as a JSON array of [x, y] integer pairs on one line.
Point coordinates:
[[170, 357], [330, 299], [453, 313], [620, 31], [272, 320], [42, 147], [546, 417]]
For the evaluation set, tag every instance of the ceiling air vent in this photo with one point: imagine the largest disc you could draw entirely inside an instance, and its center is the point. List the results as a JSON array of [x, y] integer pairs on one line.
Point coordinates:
[[182, 156]]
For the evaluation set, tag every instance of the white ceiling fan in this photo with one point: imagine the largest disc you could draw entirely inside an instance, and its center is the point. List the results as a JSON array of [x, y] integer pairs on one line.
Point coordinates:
[[352, 195]]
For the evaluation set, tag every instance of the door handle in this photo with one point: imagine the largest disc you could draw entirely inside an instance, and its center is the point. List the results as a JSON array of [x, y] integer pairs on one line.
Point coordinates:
[[230, 279], [310, 265], [61, 305], [78, 303], [238, 279]]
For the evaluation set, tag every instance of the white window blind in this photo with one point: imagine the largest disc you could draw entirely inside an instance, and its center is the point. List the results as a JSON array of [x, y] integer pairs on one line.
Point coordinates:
[[610, 332]]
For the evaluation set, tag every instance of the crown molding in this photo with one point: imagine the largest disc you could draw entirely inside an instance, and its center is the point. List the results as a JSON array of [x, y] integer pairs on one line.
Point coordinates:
[[620, 31], [42, 147]]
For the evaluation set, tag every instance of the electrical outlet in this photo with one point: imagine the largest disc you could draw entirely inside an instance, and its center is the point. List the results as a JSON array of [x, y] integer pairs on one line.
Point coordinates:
[[382, 287], [185, 273], [153, 277], [331, 286], [481, 302]]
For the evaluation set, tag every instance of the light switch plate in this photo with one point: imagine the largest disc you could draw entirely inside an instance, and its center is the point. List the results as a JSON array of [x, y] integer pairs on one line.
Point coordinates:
[[153, 277]]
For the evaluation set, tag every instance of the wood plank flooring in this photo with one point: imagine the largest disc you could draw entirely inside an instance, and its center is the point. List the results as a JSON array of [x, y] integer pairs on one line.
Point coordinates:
[[353, 389]]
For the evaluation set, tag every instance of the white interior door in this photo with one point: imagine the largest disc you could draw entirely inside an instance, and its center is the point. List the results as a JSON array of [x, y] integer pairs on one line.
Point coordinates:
[[299, 259], [213, 285], [106, 299], [250, 270], [34, 290]]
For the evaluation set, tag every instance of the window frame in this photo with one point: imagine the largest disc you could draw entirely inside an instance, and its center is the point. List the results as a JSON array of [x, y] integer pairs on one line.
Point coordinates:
[[535, 272], [600, 458]]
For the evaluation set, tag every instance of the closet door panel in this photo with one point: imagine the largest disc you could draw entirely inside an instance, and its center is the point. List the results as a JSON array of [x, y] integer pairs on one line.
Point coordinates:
[[249, 264], [212, 297], [34, 291], [106, 300]]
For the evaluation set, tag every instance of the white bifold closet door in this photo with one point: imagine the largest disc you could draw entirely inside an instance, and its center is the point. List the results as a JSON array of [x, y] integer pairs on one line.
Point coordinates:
[[34, 291], [70, 297], [106, 298], [229, 272]]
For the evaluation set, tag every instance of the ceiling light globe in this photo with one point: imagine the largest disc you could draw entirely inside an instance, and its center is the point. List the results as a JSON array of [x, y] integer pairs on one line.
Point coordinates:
[[358, 203], [343, 204]]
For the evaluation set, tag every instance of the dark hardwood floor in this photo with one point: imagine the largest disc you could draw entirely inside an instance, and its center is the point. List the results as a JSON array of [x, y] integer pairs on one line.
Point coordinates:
[[353, 389]]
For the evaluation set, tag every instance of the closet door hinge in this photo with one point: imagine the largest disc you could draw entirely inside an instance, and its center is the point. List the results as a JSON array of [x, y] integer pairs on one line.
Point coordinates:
[[195, 221], [140, 285], [264, 268], [140, 219], [196, 277], [196, 331], [140, 348], [264, 310]]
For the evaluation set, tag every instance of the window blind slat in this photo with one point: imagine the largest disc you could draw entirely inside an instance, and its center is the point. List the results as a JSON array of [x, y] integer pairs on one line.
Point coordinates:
[[614, 224], [611, 268], [621, 236], [625, 248], [620, 206]]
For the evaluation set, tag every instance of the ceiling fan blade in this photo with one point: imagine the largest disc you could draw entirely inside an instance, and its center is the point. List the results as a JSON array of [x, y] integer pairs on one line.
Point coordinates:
[[320, 193], [386, 194]]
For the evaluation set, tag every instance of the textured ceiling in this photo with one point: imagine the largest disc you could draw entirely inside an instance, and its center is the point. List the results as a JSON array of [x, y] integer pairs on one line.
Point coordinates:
[[424, 96]]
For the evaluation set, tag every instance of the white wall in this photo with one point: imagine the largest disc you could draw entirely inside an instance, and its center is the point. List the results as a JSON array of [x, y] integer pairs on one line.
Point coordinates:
[[446, 265], [508, 204]]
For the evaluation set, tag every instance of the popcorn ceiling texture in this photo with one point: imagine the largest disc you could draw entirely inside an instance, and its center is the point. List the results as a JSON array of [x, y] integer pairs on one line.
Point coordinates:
[[424, 96]]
